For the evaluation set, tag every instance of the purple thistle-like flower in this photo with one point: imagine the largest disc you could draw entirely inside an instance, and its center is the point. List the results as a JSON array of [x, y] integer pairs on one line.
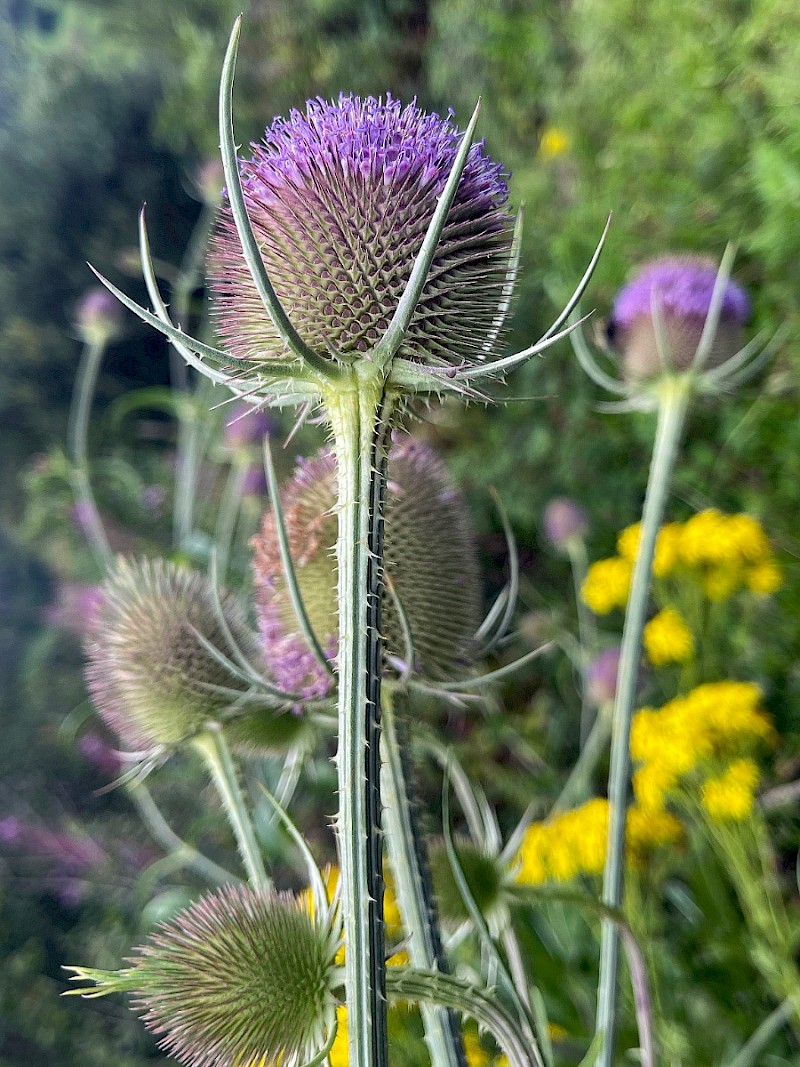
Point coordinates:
[[681, 286], [339, 197], [98, 316], [564, 521], [429, 554], [601, 677]]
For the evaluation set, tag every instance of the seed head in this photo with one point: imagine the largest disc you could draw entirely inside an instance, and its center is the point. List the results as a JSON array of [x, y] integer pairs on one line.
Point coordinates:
[[339, 198], [681, 286], [240, 978], [429, 555], [149, 673]]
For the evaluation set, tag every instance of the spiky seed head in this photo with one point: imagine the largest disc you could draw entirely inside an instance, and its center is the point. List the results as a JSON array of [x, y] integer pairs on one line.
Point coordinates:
[[241, 978], [339, 197], [430, 556], [483, 873], [149, 673], [681, 286]]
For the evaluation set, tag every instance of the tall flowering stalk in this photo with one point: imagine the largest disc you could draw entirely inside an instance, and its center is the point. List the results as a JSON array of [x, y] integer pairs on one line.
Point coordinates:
[[364, 256], [677, 328]]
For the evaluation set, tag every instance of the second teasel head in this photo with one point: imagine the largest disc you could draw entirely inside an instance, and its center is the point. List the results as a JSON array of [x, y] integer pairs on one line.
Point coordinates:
[[430, 557]]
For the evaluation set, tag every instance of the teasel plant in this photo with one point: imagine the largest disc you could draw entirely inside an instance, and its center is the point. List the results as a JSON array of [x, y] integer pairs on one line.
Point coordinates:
[[677, 333], [362, 265]]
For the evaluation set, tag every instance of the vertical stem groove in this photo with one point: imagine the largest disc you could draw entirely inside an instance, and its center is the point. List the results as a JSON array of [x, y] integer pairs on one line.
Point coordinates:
[[359, 418], [673, 404]]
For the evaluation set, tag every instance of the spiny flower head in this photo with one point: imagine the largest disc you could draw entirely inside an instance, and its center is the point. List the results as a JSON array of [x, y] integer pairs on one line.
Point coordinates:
[[429, 555], [484, 874], [339, 197], [677, 290], [240, 978], [150, 676]]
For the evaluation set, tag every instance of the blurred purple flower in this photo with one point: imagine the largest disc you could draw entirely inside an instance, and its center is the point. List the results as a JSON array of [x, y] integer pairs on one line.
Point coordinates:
[[103, 756], [74, 607], [601, 677], [246, 425], [154, 497], [681, 287], [564, 521], [98, 316], [255, 481]]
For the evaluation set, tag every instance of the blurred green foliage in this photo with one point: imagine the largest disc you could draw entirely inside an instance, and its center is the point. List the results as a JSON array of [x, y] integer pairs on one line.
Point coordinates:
[[680, 117]]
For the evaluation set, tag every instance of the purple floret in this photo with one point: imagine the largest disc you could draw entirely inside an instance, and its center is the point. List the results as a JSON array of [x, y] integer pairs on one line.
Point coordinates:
[[683, 287]]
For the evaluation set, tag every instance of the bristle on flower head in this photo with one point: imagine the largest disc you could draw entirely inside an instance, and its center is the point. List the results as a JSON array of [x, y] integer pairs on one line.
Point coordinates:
[[680, 287], [149, 673], [430, 557], [240, 978], [339, 197]]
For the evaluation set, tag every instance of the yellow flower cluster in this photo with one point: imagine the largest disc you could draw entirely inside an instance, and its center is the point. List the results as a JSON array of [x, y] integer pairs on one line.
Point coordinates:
[[731, 794], [667, 639], [712, 723], [574, 843], [723, 553]]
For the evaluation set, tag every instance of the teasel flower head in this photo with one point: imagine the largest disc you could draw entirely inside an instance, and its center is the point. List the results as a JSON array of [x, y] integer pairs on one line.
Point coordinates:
[[240, 978], [484, 873], [339, 197], [430, 558], [98, 317], [659, 316], [151, 671]]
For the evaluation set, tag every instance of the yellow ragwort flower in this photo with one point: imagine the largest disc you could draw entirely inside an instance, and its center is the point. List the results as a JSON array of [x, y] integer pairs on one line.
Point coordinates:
[[764, 578], [607, 584], [554, 142], [665, 556], [667, 639], [648, 829], [730, 796], [722, 581]]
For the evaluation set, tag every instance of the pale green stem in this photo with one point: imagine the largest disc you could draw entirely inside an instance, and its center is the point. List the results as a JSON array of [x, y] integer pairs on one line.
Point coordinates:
[[214, 749], [748, 1054], [577, 785], [77, 435], [355, 411], [420, 986], [587, 631], [674, 398], [230, 509], [162, 832], [412, 886]]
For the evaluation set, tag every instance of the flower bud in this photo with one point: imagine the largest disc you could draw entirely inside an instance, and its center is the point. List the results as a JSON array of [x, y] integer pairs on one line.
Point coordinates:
[[151, 678], [429, 554], [681, 287], [98, 317], [601, 677], [565, 521], [340, 198], [209, 179], [483, 873], [239, 977]]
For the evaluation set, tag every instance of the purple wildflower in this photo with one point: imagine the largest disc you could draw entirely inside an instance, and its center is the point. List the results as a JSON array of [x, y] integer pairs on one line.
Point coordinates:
[[564, 521], [100, 754], [339, 197], [98, 316], [74, 607], [601, 677], [681, 287], [246, 425]]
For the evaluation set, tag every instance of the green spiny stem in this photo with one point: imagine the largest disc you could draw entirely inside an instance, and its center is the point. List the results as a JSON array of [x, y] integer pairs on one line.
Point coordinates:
[[412, 885], [214, 749], [77, 435], [674, 396], [359, 418], [457, 995]]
